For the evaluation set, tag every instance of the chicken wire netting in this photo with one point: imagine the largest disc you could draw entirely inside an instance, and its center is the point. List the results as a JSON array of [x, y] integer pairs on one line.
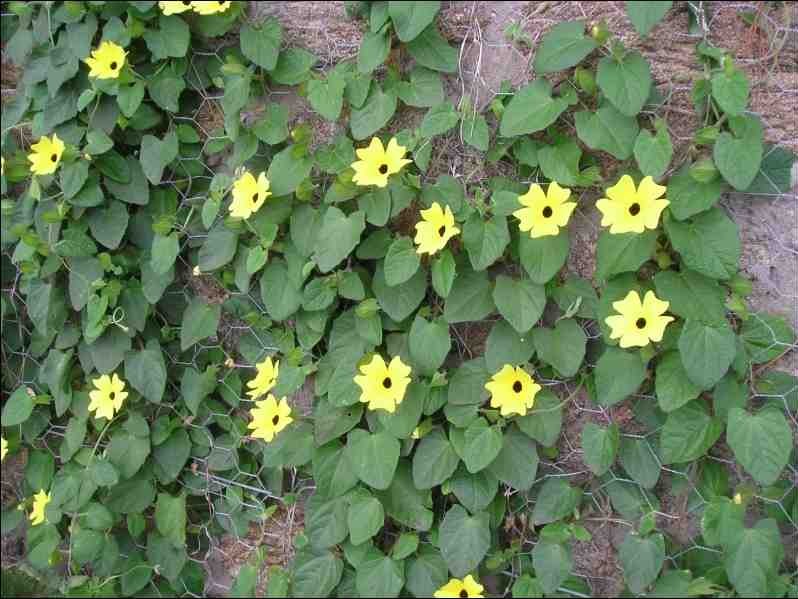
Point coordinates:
[[243, 511]]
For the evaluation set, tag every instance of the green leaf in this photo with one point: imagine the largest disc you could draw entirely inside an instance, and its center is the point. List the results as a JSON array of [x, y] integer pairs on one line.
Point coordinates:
[[401, 261], [429, 343], [625, 81], [730, 89], [404, 420], [338, 236], [644, 15], [618, 374], [708, 243], [752, 559], [405, 503], [553, 564], [281, 295], [738, 157], [373, 458], [156, 154], [327, 97], [165, 88], [261, 44], [531, 109], [722, 521], [519, 301], [171, 455], [688, 433], [129, 98], [170, 518], [82, 275], [317, 575], [556, 500], [563, 46], [544, 421], [426, 572], [365, 519], [287, 171], [506, 346], [400, 302], [600, 446], [775, 172], [200, 320], [146, 372], [485, 240], [379, 576], [543, 257], [18, 408], [373, 50], [272, 128], [170, 40], [766, 337], [430, 50], [73, 176], [692, 295], [423, 90], [517, 463], [626, 252], [673, 387], [608, 130], [560, 162], [439, 119], [325, 521], [761, 442], [470, 299], [707, 351], [653, 153], [444, 271], [475, 131], [464, 540], [293, 66], [196, 386], [374, 114], [641, 559], [562, 347], [482, 444], [164, 252], [411, 18], [638, 459], [218, 249], [434, 460], [108, 224]]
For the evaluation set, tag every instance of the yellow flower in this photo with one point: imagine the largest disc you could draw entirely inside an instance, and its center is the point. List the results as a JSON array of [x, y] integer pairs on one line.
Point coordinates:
[[174, 8], [3, 448], [249, 195], [513, 390], [210, 8], [46, 155], [106, 62], [468, 587], [638, 323], [108, 396], [376, 163], [266, 378], [40, 501], [630, 210], [435, 230], [383, 385], [544, 213], [269, 417], [738, 499]]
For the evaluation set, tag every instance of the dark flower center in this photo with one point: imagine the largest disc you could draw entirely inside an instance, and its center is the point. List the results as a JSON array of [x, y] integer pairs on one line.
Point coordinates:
[[255, 197], [442, 231], [187, 3], [517, 386], [113, 66], [464, 593], [383, 169], [54, 157], [111, 396], [386, 382], [276, 419], [640, 323], [634, 209], [547, 212]]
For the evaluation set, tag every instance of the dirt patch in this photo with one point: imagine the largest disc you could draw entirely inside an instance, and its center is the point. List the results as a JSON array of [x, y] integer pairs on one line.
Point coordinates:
[[597, 559], [12, 544]]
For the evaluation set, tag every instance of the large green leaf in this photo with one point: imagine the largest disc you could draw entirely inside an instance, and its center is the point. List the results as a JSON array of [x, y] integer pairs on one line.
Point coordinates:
[[520, 301], [752, 559], [543, 257], [373, 457], [401, 261], [429, 343], [280, 294], [200, 320], [556, 500], [707, 351], [673, 387], [338, 236], [639, 461], [641, 559], [623, 253], [470, 298], [653, 153], [482, 444], [261, 43], [464, 540], [608, 130], [553, 564], [400, 302], [739, 156], [485, 240], [379, 576], [625, 81], [531, 109], [688, 433], [146, 372], [618, 374], [431, 50], [562, 47], [761, 442], [316, 575], [644, 15], [170, 518], [517, 463], [156, 154], [374, 114], [600, 446], [709, 243], [364, 519], [730, 89], [562, 347], [692, 295], [434, 460], [411, 18], [287, 171]]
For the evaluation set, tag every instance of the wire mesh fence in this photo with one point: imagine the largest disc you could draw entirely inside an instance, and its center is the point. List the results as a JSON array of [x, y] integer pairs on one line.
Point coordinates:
[[240, 504]]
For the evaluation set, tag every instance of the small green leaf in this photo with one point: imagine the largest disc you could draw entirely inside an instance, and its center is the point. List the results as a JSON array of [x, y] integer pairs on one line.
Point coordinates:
[[653, 153], [429, 344], [439, 119], [401, 261], [641, 559], [626, 252], [562, 347], [531, 109], [761, 442], [411, 18], [688, 433], [730, 89], [200, 320], [485, 240], [600, 446], [520, 301], [430, 50], [556, 500], [618, 374], [464, 540], [563, 46], [707, 351], [625, 81], [543, 257], [608, 130], [261, 44], [373, 458], [709, 243], [644, 15]]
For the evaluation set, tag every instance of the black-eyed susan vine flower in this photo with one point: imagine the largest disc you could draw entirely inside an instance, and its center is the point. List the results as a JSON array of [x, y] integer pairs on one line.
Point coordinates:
[[210, 8], [638, 323], [265, 379], [383, 385], [46, 155], [3, 448], [435, 229], [512, 390], [467, 587], [269, 417], [377, 163], [108, 396], [249, 194], [632, 210], [40, 501], [106, 61], [544, 213], [175, 8]]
